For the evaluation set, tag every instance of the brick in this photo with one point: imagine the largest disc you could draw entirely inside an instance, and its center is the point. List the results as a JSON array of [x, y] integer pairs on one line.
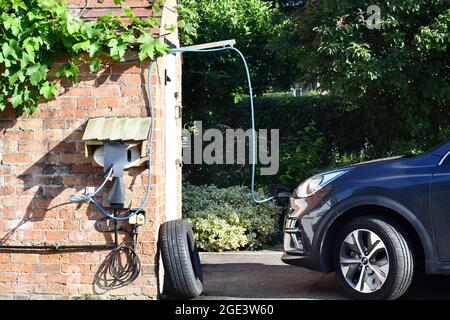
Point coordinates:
[[54, 124], [64, 147], [45, 163], [71, 225], [53, 258], [103, 91], [57, 235], [86, 102], [77, 92], [47, 268], [126, 68], [16, 267], [133, 91], [24, 257], [5, 169], [56, 278], [29, 124], [30, 235], [48, 225], [31, 278], [48, 135], [135, 79], [32, 146], [109, 102], [53, 191], [17, 136], [48, 288], [7, 191], [14, 158], [48, 180], [7, 277], [6, 213]]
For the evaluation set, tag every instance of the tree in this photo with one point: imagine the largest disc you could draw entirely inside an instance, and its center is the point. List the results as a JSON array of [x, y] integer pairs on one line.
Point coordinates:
[[398, 73], [261, 32]]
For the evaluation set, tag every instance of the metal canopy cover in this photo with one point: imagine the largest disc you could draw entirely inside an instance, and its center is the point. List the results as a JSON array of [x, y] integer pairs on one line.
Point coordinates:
[[111, 129]]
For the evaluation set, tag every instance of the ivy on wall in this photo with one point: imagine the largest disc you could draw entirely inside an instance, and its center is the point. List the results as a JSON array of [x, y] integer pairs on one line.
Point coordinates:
[[33, 33]]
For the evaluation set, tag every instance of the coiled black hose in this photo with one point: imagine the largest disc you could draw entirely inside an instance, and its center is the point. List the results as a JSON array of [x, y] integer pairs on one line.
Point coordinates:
[[122, 265]]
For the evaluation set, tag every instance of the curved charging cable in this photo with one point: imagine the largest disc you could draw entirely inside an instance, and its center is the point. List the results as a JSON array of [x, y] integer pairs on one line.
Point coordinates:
[[90, 197], [252, 108]]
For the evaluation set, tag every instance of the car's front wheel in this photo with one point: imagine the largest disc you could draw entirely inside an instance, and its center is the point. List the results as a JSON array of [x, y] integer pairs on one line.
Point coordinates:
[[373, 260]]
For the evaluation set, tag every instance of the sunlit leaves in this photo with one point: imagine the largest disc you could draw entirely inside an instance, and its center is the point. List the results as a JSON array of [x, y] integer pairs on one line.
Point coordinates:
[[150, 46], [48, 90], [35, 32]]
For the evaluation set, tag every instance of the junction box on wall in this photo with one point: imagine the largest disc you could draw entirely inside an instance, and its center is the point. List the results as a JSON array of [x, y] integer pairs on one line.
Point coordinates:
[[117, 144]]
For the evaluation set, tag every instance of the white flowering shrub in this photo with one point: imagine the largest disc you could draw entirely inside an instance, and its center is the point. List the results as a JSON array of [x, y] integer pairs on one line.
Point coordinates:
[[226, 219]]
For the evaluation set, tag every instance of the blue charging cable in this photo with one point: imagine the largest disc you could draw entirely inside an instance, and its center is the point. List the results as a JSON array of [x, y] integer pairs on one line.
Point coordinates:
[[252, 108], [78, 198]]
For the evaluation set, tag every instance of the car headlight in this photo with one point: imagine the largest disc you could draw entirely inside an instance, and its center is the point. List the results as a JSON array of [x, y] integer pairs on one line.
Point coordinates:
[[310, 186]]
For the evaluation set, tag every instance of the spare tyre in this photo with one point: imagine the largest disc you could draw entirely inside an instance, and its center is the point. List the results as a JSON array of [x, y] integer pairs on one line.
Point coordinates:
[[182, 268]]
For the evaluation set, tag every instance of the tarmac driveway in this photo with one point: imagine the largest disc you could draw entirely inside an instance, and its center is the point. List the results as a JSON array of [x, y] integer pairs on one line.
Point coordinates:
[[262, 275]]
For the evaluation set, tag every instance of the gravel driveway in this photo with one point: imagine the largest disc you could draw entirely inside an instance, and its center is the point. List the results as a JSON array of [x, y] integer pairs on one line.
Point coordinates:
[[262, 275]]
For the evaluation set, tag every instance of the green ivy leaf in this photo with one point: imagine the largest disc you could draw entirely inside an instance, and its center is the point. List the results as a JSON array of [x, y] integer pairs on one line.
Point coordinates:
[[18, 4], [37, 73], [48, 90], [12, 22], [95, 65], [93, 49], [127, 37], [69, 70], [8, 50], [19, 75], [150, 46], [73, 26], [17, 97], [116, 49], [84, 45]]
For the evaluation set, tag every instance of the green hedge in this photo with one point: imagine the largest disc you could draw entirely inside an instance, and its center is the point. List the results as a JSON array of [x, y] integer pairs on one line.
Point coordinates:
[[314, 131], [227, 218]]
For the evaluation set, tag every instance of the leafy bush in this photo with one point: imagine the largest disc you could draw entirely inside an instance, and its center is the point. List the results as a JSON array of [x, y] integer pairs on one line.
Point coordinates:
[[227, 218]]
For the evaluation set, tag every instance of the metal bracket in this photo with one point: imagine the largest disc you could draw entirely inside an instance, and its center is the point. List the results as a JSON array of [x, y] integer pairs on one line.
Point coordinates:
[[178, 112], [210, 45]]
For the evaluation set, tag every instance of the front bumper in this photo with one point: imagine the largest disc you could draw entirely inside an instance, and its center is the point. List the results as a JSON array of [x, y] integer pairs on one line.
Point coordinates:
[[301, 238], [294, 249]]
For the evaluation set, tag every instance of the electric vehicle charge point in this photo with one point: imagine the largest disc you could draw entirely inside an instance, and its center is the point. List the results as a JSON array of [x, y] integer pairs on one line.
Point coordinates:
[[117, 144]]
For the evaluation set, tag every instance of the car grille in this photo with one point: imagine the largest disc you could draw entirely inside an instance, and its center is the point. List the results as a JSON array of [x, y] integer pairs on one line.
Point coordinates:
[[292, 236]]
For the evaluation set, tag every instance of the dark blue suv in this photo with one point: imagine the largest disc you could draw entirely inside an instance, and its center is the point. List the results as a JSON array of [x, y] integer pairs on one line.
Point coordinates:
[[375, 224]]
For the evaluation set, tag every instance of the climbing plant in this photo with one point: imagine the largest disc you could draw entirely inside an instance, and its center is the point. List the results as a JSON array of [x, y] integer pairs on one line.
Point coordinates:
[[33, 33]]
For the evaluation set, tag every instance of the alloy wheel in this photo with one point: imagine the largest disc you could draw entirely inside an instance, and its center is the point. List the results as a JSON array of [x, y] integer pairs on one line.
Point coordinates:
[[364, 261]]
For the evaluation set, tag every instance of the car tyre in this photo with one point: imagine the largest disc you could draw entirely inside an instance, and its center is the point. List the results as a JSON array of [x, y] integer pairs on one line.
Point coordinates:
[[373, 259], [181, 261]]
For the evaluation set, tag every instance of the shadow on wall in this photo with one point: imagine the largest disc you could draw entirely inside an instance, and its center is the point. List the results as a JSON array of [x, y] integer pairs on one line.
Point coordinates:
[[63, 170]]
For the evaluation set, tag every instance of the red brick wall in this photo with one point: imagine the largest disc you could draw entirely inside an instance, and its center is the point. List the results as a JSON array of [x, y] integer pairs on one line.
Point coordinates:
[[42, 162]]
